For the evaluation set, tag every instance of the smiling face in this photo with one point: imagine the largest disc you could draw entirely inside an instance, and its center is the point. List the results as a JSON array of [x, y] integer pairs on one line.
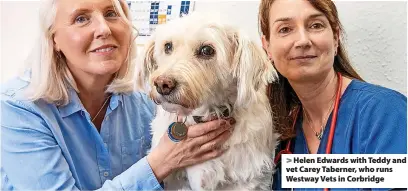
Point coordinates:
[[302, 43], [92, 36]]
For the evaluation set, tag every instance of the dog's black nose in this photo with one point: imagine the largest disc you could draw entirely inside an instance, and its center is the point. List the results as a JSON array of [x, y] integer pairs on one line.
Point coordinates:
[[164, 85]]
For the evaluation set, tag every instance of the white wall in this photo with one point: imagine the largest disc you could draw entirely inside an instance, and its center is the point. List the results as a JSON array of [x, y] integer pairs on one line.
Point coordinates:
[[19, 30], [239, 13], [376, 35], [377, 40]]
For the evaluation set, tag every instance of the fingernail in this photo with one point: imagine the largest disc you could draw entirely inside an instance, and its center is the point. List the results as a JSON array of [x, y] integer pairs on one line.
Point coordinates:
[[227, 126], [231, 121]]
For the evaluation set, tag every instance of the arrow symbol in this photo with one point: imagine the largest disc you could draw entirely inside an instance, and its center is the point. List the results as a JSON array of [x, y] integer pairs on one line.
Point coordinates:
[[288, 160]]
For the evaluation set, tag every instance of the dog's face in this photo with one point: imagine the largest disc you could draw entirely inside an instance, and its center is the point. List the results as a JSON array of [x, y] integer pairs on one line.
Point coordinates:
[[198, 60]]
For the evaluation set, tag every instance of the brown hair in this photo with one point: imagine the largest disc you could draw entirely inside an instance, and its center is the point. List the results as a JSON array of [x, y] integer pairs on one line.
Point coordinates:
[[283, 98]]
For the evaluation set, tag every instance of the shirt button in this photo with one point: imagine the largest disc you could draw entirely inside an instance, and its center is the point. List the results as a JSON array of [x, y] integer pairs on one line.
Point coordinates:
[[106, 174]]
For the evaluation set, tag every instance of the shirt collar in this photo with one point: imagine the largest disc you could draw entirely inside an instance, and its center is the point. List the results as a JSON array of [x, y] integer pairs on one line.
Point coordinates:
[[74, 105], [115, 100]]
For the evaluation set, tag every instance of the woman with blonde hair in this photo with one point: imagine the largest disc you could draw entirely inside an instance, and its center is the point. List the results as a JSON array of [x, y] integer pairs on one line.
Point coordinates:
[[320, 104], [73, 120]]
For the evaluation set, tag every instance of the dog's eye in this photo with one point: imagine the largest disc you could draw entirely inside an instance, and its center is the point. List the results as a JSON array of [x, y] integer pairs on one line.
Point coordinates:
[[206, 51], [168, 48]]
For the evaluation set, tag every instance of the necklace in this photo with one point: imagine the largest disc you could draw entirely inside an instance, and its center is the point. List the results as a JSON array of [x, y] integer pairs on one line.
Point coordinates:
[[323, 126], [103, 105]]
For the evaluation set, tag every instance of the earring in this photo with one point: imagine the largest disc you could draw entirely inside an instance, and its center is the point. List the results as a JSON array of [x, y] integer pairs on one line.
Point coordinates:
[[270, 59]]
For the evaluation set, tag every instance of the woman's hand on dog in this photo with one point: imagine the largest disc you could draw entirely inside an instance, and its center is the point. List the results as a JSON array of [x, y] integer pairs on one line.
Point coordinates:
[[203, 142]]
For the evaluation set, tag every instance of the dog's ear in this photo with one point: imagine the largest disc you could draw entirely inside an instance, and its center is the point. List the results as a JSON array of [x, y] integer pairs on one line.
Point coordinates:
[[252, 69], [145, 65]]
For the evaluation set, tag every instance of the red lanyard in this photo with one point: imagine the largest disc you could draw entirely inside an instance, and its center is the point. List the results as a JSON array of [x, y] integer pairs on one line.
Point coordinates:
[[332, 125]]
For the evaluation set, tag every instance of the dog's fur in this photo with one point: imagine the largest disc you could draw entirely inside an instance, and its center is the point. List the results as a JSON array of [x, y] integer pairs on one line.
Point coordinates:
[[236, 75]]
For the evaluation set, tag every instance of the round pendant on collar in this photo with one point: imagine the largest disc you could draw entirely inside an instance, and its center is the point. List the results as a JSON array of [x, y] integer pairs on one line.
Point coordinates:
[[177, 131]]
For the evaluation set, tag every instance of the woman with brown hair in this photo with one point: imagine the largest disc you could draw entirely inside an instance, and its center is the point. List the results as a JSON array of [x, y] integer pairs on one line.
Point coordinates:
[[320, 104]]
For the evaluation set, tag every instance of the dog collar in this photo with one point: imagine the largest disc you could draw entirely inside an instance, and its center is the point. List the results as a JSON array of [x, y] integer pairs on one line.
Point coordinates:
[[225, 113]]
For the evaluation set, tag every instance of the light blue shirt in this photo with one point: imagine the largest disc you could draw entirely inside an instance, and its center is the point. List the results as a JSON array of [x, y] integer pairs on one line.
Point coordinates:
[[45, 147]]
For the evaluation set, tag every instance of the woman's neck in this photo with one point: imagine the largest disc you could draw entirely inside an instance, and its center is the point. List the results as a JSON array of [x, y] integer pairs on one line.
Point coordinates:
[[317, 96], [92, 92]]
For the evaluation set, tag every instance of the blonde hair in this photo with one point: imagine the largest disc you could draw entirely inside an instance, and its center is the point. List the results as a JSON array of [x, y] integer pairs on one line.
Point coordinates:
[[50, 75]]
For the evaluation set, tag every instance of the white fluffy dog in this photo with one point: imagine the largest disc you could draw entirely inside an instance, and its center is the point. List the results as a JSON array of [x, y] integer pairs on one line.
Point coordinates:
[[195, 66]]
